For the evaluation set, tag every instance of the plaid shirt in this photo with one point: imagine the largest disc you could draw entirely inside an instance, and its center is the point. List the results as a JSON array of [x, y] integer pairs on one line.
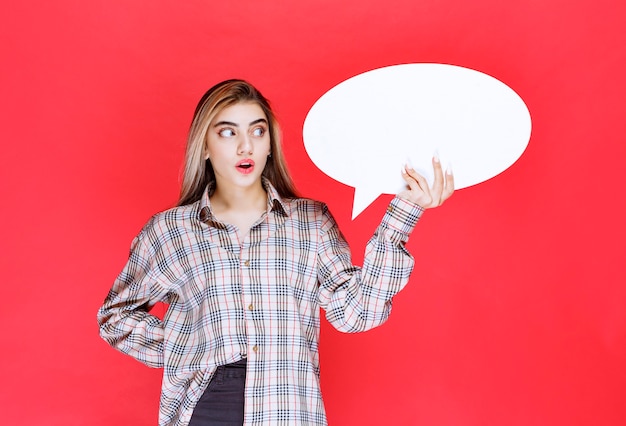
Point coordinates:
[[259, 298]]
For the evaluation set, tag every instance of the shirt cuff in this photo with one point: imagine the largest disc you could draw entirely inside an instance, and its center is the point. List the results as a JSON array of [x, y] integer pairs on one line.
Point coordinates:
[[402, 215]]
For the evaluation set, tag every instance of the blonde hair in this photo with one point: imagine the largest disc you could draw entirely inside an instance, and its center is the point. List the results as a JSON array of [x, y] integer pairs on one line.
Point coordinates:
[[198, 172]]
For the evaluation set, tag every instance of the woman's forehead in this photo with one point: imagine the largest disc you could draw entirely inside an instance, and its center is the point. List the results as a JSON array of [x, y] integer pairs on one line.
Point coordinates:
[[241, 113]]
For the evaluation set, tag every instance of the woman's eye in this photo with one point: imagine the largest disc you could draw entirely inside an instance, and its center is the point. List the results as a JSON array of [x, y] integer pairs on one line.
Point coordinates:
[[226, 133], [259, 131]]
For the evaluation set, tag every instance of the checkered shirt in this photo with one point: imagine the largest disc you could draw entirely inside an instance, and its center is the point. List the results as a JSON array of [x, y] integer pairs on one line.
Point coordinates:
[[259, 298]]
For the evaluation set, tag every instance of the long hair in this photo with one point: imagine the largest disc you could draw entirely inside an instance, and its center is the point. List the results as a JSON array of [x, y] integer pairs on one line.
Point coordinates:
[[198, 172]]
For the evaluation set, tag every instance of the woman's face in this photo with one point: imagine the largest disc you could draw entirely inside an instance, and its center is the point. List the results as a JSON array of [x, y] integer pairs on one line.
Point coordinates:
[[238, 143]]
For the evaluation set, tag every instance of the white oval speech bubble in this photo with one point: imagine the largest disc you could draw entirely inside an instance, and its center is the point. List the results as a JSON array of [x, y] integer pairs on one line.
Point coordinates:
[[364, 129]]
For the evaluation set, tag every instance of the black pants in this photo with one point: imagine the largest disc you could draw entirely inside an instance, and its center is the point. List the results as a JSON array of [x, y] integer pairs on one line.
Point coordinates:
[[222, 402]]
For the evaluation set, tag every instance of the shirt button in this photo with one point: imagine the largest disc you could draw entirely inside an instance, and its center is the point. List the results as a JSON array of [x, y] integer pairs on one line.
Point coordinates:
[[255, 348], [250, 307], [246, 263], [390, 209]]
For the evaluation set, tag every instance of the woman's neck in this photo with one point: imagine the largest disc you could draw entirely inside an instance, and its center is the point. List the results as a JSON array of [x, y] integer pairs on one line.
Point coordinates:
[[237, 198], [241, 207]]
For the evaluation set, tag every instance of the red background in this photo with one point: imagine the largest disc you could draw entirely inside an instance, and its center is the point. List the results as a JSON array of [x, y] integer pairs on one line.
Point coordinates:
[[516, 311]]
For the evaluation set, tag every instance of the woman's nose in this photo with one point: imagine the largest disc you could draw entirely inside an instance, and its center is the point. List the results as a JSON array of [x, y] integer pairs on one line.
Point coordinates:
[[245, 145]]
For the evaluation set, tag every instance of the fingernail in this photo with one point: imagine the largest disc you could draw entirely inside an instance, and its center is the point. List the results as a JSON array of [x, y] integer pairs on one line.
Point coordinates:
[[436, 156], [449, 169]]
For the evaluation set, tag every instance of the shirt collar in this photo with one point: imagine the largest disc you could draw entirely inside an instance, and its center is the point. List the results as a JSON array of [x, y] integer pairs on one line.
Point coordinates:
[[275, 203]]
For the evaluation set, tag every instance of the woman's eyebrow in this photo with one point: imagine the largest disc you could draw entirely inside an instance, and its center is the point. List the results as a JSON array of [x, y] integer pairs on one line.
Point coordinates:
[[230, 123], [225, 123], [257, 121]]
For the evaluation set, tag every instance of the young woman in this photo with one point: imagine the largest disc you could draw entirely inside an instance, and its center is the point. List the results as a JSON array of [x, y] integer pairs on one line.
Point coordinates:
[[245, 266]]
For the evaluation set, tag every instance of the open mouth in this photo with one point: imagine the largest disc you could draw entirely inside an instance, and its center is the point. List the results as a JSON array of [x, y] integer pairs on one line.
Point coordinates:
[[245, 166]]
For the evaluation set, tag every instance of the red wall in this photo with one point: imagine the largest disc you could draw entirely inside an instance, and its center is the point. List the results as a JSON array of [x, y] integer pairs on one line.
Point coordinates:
[[516, 312]]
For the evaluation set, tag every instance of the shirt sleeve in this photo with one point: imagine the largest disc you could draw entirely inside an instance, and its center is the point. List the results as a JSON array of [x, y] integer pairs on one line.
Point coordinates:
[[124, 319], [358, 299]]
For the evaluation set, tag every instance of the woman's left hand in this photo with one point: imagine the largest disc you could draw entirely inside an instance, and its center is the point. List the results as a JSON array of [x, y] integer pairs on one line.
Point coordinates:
[[419, 192]]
